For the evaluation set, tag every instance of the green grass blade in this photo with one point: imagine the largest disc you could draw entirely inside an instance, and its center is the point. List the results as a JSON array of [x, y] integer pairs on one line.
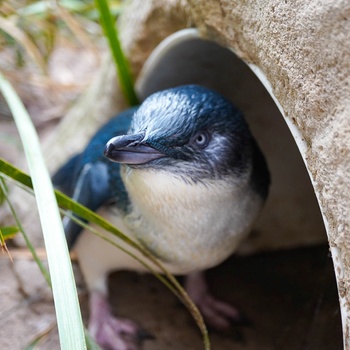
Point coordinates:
[[5, 234], [90, 342], [25, 236], [68, 314], [110, 31], [2, 194], [8, 232]]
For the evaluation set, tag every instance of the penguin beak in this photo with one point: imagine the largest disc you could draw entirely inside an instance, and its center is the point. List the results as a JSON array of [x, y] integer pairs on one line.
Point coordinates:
[[129, 149]]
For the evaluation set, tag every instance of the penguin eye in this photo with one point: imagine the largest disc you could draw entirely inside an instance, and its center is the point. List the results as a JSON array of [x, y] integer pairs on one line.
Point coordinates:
[[201, 139]]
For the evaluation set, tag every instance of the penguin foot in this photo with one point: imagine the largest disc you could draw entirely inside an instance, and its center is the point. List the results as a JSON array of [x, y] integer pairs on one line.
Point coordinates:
[[112, 333], [217, 314]]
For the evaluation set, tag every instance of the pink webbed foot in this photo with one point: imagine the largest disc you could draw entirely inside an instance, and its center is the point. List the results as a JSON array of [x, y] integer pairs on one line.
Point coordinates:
[[113, 333], [217, 314]]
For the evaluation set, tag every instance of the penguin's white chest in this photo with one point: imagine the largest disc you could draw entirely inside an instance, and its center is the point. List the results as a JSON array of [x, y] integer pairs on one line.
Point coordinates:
[[189, 225]]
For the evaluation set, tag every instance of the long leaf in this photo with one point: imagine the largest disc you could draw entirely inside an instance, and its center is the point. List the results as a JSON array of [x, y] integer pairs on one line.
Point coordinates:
[[110, 30], [41, 266], [69, 319]]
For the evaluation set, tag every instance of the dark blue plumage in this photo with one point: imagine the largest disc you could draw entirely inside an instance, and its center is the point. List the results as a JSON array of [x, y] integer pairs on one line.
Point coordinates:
[[90, 178]]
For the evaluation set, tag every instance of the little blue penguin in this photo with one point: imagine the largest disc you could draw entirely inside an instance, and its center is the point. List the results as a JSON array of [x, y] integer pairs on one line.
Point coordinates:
[[182, 175]]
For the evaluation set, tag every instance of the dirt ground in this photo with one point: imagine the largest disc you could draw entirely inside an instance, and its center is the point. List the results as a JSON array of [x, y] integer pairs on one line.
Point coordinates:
[[290, 297]]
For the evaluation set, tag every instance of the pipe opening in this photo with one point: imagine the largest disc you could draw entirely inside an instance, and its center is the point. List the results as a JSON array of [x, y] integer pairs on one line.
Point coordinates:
[[290, 233]]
